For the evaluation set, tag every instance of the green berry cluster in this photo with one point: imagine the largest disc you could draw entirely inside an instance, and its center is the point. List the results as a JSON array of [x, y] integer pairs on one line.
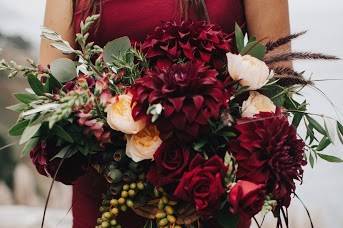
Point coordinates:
[[165, 216], [111, 207]]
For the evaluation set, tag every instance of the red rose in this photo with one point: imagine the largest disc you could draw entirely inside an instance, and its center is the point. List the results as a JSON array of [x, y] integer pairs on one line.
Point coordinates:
[[246, 199], [170, 163], [70, 170], [203, 184]]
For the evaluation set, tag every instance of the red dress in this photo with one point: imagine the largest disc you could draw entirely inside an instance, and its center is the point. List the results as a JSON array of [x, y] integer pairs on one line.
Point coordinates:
[[135, 18]]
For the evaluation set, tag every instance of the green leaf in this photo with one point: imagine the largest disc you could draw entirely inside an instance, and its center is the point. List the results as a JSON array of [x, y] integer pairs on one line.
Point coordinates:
[[29, 146], [226, 219], [17, 107], [64, 70], [29, 132], [254, 49], [316, 125], [311, 160], [239, 38], [26, 98], [330, 158], [324, 143], [116, 47], [65, 152], [52, 84], [197, 146], [19, 128], [60, 132], [36, 85], [340, 131]]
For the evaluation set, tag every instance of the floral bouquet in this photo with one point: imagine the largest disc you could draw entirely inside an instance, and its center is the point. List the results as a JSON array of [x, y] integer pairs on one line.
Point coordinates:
[[191, 125]]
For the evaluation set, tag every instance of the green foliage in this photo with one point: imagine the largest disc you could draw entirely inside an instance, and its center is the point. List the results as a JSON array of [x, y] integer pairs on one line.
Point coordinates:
[[252, 47], [226, 219], [330, 158], [117, 47], [36, 85], [26, 98], [30, 131], [64, 70], [19, 128]]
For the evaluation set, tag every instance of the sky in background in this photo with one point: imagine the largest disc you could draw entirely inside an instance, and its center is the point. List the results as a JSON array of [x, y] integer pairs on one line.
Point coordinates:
[[323, 187]]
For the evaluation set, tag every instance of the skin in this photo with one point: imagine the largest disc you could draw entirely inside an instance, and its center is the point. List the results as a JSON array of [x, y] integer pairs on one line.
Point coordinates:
[[266, 19]]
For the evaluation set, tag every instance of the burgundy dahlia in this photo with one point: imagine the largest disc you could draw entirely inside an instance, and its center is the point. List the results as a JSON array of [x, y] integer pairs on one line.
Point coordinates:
[[191, 40], [269, 152], [190, 95], [70, 170]]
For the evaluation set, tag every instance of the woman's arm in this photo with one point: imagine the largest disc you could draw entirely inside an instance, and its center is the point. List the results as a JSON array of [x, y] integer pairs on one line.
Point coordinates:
[[58, 17], [267, 19]]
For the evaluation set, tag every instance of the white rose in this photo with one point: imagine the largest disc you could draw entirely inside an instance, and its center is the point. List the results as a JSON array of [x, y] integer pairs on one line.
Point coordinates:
[[248, 70], [257, 103], [119, 116], [142, 146]]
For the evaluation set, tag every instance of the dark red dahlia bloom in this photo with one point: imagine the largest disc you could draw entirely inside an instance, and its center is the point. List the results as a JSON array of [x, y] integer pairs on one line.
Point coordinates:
[[190, 95], [246, 199], [269, 152], [70, 170], [203, 184], [191, 40], [171, 161]]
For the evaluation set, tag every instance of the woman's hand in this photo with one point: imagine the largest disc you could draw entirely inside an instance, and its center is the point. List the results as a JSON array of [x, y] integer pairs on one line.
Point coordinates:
[[59, 18]]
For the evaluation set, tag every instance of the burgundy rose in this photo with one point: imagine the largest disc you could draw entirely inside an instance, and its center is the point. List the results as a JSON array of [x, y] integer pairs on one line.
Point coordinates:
[[203, 184], [190, 95], [171, 161], [191, 40], [269, 152], [70, 170], [246, 199]]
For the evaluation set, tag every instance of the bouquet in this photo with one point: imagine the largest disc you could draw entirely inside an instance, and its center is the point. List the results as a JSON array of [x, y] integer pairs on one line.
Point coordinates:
[[190, 125]]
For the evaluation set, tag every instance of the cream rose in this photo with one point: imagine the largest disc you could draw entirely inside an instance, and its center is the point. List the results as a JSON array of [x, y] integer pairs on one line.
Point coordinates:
[[119, 116], [257, 103], [248, 70], [142, 146]]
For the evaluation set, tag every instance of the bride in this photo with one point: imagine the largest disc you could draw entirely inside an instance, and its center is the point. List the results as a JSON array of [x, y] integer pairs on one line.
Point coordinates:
[[264, 19]]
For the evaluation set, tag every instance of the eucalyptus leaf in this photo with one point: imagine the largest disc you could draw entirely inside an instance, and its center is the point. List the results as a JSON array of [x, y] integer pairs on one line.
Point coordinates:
[[64, 47], [323, 144], [29, 132], [340, 131], [36, 85], [316, 125], [117, 48], [19, 128], [311, 159], [29, 146], [52, 84], [64, 70], [60, 132], [254, 49], [26, 98], [239, 38], [65, 152], [330, 158]]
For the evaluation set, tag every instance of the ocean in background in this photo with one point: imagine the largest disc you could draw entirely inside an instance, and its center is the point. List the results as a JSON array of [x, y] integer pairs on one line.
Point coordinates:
[[323, 187]]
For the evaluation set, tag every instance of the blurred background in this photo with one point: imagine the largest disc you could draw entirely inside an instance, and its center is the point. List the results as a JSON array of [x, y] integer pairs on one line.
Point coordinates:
[[23, 193]]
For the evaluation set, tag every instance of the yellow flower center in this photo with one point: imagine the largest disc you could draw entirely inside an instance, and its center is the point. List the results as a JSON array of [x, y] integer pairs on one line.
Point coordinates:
[[147, 137]]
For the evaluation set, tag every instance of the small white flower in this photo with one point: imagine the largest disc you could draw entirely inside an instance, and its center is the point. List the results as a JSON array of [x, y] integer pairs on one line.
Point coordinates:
[[257, 103], [248, 70]]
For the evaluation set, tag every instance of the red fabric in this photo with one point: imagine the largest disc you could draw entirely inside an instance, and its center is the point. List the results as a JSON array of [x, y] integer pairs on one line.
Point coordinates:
[[134, 18]]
